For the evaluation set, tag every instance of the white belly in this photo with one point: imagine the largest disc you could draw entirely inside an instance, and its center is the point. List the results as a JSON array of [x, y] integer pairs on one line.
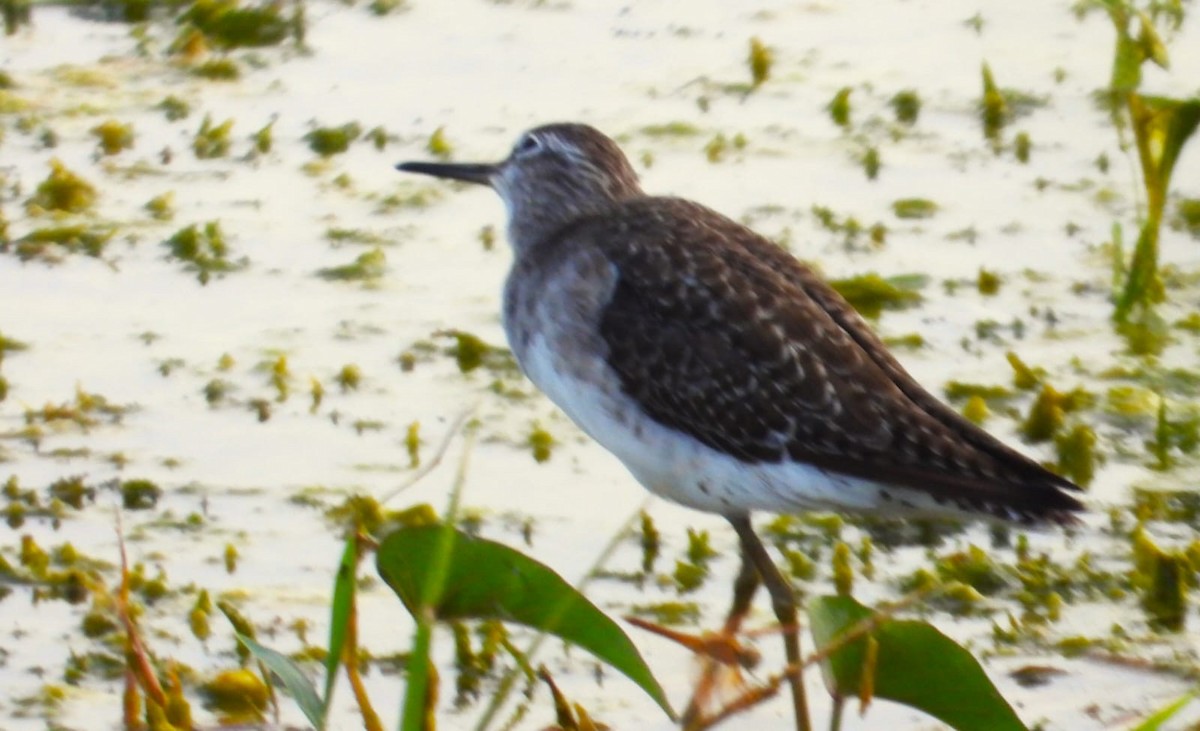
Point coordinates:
[[677, 466]]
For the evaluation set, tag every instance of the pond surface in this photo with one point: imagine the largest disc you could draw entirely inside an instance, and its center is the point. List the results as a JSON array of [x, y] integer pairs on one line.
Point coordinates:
[[209, 384]]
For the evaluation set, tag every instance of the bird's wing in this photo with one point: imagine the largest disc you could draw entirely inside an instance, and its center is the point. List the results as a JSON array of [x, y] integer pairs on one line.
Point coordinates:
[[721, 335]]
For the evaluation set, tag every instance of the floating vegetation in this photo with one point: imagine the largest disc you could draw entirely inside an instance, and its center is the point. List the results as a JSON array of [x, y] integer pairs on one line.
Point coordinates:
[[719, 146], [329, 141], [907, 106], [175, 108], [988, 282], [993, 108], [379, 138], [1187, 216], [760, 60], [839, 107], [46, 243], [218, 69], [203, 249], [976, 410], [63, 191], [239, 695], [871, 294], [1048, 412], [471, 352], [226, 24], [263, 140], [408, 196], [671, 129], [1077, 457], [113, 136], [212, 141], [139, 494], [412, 444], [387, 7], [366, 267], [349, 378], [339, 236], [914, 208], [1021, 147], [870, 162], [438, 145], [541, 442], [161, 207]]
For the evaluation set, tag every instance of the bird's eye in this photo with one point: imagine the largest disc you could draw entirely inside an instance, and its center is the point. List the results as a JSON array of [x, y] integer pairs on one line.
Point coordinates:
[[527, 145]]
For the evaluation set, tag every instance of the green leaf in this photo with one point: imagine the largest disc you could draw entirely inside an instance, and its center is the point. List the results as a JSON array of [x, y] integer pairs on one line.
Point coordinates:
[[293, 679], [486, 580], [916, 665], [1171, 123], [339, 613], [1161, 716]]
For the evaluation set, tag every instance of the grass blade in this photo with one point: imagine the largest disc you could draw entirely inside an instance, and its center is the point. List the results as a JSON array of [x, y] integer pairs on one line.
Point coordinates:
[[293, 679]]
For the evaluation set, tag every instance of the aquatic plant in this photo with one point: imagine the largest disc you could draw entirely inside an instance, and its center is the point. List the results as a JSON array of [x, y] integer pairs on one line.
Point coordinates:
[[1160, 128]]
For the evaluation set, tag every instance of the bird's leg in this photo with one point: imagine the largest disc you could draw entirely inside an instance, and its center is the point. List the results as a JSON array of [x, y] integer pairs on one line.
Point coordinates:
[[783, 601], [744, 587]]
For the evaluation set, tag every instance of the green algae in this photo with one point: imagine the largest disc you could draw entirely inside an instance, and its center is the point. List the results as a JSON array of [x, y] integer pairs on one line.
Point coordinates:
[[962, 391], [238, 695], [988, 282], [218, 69], [330, 141], [689, 577], [1077, 454], [669, 613], [339, 236], [212, 141], [839, 107], [1022, 145], [759, 58], [203, 249], [1187, 216], [906, 105], [541, 444], [50, 242], [113, 137], [914, 208], [139, 494], [349, 378], [227, 24], [1025, 377], [161, 207], [976, 410], [471, 352], [1047, 414], [367, 267], [62, 190], [994, 111], [439, 145], [871, 163], [175, 108], [871, 294], [670, 129]]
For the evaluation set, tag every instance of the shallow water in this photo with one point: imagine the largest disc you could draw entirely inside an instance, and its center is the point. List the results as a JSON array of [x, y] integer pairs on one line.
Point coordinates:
[[484, 72]]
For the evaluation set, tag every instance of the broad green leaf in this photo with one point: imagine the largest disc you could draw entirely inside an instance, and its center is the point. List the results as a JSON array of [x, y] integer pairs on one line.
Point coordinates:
[[915, 665], [1161, 716], [293, 679], [339, 614], [487, 580]]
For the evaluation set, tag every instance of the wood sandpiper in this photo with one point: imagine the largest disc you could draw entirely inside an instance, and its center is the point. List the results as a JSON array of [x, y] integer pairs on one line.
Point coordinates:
[[720, 370]]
